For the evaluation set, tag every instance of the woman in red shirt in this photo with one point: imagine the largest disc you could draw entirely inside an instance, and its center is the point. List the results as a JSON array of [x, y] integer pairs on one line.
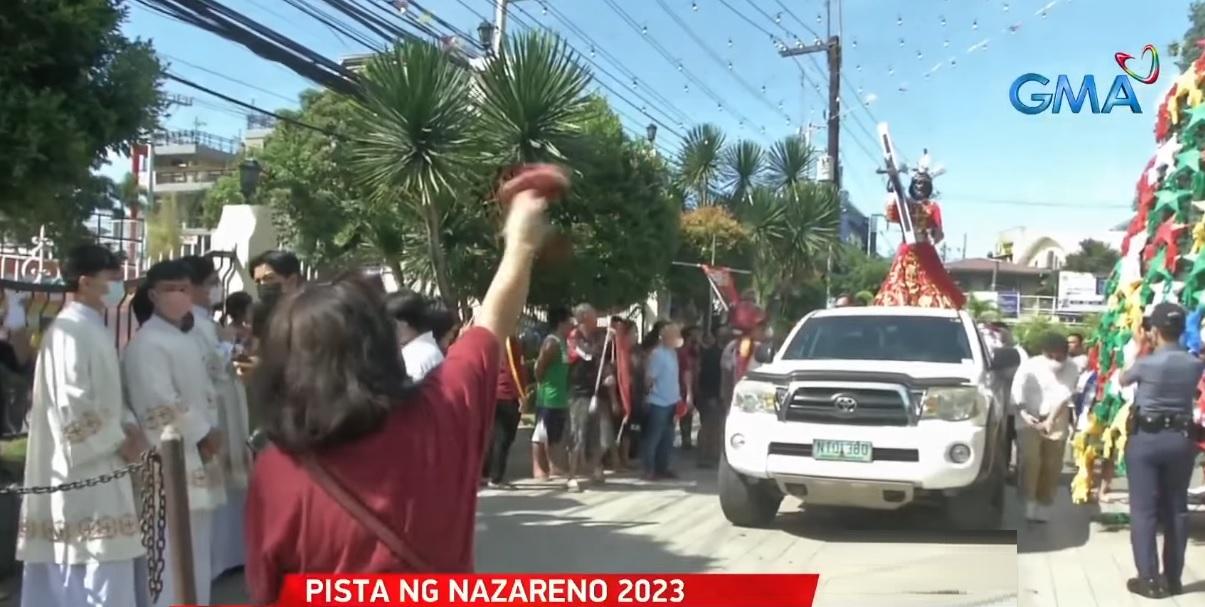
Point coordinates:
[[368, 472]]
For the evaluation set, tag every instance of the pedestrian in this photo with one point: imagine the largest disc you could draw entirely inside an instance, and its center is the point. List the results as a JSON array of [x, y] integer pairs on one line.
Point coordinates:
[[591, 386], [512, 391], [1006, 341], [846, 300], [1043, 389], [664, 394], [16, 363], [217, 347], [1075, 350], [445, 327], [622, 418], [707, 400], [81, 547], [236, 317], [276, 274], [164, 372], [411, 314], [1160, 453], [688, 374], [552, 395], [367, 471]]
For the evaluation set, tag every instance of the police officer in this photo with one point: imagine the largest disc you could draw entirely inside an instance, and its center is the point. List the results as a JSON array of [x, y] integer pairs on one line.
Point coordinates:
[[1160, 453]]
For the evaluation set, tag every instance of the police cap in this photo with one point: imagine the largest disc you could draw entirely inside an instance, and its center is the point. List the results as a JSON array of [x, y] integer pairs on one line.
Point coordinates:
[[1168, 316]]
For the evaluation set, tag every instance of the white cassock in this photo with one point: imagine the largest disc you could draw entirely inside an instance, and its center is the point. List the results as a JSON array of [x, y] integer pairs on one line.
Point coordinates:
[[79, 547], [166, 385], [229, 547]]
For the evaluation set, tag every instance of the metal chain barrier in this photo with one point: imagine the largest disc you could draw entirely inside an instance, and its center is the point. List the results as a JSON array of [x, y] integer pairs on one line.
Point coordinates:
[[152, 516]]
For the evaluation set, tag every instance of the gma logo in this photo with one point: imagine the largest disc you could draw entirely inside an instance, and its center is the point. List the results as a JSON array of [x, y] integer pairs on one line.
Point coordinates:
[[1120, 94]]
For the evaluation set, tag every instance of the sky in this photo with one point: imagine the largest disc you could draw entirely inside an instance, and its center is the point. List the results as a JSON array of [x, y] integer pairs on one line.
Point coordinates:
[[923, 66]]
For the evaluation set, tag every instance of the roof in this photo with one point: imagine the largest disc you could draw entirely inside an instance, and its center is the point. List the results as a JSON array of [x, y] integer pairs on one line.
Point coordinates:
[[977, 265]]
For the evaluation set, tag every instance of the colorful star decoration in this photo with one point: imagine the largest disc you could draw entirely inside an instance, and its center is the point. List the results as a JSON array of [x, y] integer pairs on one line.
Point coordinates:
[[1167, 235]]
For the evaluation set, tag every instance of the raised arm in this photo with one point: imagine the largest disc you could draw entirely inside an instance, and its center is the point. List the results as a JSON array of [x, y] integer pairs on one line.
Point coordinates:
[[526, 228]]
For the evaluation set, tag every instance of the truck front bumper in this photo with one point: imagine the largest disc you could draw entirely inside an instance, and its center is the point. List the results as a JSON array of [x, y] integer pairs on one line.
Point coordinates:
[[905, 458]]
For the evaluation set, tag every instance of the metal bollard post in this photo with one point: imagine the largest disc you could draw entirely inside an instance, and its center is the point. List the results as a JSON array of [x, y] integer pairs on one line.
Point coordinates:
[[179, 528]]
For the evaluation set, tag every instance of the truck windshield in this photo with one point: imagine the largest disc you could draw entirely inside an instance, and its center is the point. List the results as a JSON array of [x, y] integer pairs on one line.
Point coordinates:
[[901, 338]]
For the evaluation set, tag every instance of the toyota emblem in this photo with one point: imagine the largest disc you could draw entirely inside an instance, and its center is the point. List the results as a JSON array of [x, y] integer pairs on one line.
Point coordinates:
[[845, 403]]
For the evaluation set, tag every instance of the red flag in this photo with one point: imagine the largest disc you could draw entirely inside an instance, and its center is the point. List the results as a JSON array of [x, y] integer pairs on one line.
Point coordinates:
[[721, 281], [623, 370]]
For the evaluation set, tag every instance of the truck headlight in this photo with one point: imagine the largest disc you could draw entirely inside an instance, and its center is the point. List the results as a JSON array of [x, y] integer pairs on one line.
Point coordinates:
[[756, 397], [955, 404]]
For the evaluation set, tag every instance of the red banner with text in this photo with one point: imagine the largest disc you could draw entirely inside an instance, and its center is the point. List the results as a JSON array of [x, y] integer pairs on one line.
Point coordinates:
[[546, 590]]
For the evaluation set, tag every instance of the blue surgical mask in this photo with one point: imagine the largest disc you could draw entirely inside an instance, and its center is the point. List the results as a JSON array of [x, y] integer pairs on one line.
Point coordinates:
[[115, 294]]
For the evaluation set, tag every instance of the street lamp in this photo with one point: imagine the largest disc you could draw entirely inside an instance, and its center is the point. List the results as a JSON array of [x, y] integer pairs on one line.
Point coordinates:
[[249, 172], [485, 36], [651, 132]]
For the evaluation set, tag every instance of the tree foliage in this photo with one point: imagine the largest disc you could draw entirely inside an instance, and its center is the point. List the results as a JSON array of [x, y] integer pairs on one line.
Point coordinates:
[[72, 90], [854, 271], [1094, 257], [1188, 50]]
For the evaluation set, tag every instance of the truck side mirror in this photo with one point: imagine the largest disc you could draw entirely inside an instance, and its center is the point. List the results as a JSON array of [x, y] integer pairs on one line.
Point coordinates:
[[764, 354], [1005, 358]]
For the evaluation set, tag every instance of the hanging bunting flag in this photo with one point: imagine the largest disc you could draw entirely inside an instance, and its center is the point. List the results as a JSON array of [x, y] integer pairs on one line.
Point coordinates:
[[722, 285]]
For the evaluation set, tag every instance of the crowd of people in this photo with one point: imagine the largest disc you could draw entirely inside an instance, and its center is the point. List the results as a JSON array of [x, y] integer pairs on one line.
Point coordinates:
[[332, 426]]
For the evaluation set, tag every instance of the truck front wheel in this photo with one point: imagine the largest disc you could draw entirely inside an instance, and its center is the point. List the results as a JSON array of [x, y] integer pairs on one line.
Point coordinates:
[[747, 502], [979, 508]]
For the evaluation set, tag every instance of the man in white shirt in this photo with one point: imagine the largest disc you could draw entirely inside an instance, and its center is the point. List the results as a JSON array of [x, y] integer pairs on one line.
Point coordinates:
[[218, 349], [81, 547], [420, 350], [166, 384], [1042, 390]]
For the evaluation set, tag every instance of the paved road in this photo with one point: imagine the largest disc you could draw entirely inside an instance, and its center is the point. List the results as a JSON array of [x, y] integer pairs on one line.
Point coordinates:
[[893, 559]]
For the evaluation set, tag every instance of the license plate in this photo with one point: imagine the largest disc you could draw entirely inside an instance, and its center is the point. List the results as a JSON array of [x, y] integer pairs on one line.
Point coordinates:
[[842, 450]]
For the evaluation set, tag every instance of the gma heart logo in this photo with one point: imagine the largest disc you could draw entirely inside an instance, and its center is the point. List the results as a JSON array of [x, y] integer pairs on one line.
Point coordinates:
[[1152, 74]]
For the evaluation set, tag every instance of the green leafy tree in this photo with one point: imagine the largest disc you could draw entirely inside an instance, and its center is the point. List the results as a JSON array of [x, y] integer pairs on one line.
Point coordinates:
[[1187, 50], [226, 190], [789, 162], [742, 169], [164, 229], [73, 89], [1094, 257], [854, 271], [700, 161], [791, 233]]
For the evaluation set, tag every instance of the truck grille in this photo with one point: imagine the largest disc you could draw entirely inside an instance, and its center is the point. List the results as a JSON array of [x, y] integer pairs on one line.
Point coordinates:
[[874, 407]]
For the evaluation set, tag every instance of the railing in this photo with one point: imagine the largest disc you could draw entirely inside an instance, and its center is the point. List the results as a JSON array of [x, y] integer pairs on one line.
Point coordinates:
[[195, 137], [177, 177]]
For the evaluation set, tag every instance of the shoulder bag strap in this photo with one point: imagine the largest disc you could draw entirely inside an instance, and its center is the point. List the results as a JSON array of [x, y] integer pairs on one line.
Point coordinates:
[[363, 515]]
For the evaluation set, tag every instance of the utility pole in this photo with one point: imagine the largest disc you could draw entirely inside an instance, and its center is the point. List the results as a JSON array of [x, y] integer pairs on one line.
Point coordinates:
[[500, 7], [832, 49]]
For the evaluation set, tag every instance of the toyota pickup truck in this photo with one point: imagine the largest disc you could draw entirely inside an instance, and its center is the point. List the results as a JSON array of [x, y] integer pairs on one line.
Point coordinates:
[[871, 407]]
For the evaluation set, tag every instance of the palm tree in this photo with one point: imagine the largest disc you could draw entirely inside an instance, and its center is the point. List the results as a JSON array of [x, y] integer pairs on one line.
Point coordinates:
[[790, 161], [792, 232], [699, 161], [982, 310], [130, 195], [743, 165], [413, 131], [533, 100]]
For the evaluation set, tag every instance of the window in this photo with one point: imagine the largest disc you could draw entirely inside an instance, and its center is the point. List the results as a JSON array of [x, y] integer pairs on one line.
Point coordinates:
[[899, 338]]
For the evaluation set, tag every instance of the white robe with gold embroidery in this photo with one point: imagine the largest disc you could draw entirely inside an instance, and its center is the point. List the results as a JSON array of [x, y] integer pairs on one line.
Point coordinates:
[[232, 398], [166, 383], [75, 431]]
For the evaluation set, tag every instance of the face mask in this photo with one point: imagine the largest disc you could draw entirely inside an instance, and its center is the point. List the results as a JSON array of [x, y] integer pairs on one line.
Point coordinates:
[[116, 293], [269, 293], [173, 306], [215, 295]]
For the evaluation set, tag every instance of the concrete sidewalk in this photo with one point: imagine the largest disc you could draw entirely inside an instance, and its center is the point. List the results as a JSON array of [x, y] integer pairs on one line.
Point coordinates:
[[1074, 561]]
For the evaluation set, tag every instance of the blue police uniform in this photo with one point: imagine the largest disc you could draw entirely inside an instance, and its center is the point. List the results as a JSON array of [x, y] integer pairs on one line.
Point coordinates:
[[1160, 453]]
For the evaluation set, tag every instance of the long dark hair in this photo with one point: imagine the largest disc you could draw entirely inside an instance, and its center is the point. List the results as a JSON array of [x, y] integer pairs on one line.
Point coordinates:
[[654, 336], [330, 369]]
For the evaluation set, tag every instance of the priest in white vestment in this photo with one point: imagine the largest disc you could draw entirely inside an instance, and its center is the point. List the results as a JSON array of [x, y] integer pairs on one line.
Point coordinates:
[[229, 546], [81, 547], [166, 384]]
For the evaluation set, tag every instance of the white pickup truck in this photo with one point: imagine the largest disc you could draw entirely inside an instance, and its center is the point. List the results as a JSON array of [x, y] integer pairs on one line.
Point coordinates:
[[871, 407]]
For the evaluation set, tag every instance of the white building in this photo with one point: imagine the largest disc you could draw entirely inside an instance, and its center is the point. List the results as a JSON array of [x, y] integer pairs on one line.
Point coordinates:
[[1038, 248]]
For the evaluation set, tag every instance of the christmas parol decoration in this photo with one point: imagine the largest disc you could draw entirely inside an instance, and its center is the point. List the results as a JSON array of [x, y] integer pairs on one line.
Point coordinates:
[[1161, 260]]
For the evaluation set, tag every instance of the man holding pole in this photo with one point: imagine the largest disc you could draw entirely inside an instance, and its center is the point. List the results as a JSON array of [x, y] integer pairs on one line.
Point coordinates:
[[81, 547]]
